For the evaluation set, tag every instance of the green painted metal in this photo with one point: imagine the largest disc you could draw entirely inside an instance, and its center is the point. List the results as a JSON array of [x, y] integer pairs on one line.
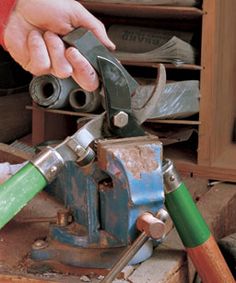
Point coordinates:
[[17, 191], [188, 221]]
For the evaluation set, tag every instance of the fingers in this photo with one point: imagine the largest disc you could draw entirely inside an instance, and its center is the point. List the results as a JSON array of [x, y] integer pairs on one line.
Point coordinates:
[[83, 72], [39, 62], [47, 55], [100, 32], [81, 17], [60, 66]]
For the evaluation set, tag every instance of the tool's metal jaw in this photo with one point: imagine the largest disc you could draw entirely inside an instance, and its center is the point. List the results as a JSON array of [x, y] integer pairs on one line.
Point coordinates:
[[106, 187]]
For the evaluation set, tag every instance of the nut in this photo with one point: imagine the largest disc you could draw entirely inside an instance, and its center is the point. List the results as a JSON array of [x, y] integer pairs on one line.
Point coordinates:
[[39, 244], [121, 119]]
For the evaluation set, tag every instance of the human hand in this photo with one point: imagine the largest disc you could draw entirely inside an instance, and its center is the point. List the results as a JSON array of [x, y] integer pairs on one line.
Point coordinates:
[[32, 37]]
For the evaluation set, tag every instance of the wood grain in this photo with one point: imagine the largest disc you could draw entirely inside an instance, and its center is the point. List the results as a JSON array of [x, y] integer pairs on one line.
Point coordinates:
[[210, 263]]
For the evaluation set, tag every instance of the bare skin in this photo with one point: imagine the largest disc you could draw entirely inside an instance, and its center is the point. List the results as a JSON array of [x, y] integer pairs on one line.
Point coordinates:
[[33, 38]]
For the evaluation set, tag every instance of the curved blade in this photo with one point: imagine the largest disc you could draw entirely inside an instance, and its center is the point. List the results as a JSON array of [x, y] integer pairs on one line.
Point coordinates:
[[118, 98], [117, 91], [145, 111]]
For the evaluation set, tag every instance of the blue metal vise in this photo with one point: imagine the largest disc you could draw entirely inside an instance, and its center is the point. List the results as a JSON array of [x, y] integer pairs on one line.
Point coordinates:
[[105, 199]]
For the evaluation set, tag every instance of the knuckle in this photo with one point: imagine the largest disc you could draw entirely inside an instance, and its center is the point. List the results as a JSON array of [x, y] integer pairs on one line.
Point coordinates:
[[52, 41], [99, 27], [39, 69], [64, 29]]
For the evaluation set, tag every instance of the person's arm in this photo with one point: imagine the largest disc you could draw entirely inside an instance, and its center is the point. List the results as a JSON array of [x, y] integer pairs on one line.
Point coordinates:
[[6, 7], [33, 38]]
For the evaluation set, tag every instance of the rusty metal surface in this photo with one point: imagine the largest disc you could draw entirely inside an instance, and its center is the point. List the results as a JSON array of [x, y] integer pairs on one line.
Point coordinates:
[[17, 237], [137, 157]]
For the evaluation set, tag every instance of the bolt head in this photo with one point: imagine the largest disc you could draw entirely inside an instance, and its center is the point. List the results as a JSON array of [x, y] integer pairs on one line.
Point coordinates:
[[121, 119], [39, 244]]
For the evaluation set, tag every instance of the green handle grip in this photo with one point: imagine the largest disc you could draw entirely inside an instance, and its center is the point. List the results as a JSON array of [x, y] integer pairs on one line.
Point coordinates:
[[188, 221], [17, 191]]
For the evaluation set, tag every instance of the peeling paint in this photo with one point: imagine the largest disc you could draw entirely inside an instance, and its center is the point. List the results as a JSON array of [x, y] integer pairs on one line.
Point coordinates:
[[138, 159]]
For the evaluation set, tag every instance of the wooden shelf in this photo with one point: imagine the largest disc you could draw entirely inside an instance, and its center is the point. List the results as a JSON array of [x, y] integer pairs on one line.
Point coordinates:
[[213, 154], [187, 165], [172, 121], [60, 111], [167, 66], [89, 115], [142, 11]]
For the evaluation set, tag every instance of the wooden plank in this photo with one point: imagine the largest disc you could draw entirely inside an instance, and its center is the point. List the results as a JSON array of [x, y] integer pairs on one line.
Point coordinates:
[[142, 11], [38, 126], [51, 124], [223, 151], [60, 111], [206, 81], [13, 155], [186, 163], [167, 66], [177, 122], [15, 120], [217, 173], [21, 279], [217, 105]]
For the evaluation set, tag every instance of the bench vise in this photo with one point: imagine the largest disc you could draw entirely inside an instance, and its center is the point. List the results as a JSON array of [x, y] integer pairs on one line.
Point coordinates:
[[105, 199]]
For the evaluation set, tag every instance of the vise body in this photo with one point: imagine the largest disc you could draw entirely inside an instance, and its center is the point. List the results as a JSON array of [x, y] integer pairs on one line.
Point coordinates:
[[105, 199]]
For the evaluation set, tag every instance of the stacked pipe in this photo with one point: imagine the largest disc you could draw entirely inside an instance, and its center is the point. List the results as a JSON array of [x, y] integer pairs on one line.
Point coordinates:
[[51, 92], [178, 100]]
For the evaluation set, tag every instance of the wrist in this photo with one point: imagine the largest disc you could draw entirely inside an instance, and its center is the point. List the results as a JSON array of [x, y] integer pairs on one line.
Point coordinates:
[[6, 8]]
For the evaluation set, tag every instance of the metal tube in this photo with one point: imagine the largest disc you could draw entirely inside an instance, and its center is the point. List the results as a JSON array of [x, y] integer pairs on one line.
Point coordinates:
[[150, 226], [84, 101], [18, 190], [126, 257], [51, 92]]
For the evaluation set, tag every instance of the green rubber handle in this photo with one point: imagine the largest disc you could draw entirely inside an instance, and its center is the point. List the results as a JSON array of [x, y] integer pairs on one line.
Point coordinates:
[[17, 191], [188, 221]]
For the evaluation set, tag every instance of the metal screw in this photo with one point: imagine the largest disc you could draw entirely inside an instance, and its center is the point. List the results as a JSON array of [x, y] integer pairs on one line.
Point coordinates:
[[172, 178], [80, 150], [53, 169], [163, 215], [64, 217], [121, 119], [39, 244]]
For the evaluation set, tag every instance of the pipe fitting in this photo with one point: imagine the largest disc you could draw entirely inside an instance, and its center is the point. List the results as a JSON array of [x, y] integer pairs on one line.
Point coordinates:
[[49, 162], [84, 101], [51, 92]]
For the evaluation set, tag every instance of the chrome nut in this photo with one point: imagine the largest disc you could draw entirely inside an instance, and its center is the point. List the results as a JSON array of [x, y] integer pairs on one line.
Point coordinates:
[[121, 119]]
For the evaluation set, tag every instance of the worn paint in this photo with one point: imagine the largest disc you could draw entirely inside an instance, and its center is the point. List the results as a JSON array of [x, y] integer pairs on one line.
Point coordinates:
[[138, 159], [107, 199]]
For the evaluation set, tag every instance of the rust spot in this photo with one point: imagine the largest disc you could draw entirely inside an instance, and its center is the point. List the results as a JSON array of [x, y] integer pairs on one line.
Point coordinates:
[[138, 159]]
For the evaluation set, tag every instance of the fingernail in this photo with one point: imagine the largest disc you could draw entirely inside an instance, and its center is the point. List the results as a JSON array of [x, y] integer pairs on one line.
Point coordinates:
[[112, 45]]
